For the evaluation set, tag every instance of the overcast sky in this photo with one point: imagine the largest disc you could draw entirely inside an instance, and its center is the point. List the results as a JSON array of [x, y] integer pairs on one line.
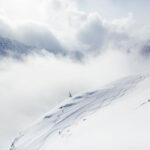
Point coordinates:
[[113, 35]]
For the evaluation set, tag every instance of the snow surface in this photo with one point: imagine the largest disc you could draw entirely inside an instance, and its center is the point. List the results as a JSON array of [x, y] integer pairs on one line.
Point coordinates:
[[84, 121]]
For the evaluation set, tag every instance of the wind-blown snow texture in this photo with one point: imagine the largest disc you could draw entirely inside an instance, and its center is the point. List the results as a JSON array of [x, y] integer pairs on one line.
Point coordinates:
[[71, 111]]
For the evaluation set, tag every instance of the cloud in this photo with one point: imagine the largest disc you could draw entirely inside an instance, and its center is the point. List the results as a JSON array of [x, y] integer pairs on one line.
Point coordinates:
[[5, 28], [65, 27], [93, 33], [40, 37]]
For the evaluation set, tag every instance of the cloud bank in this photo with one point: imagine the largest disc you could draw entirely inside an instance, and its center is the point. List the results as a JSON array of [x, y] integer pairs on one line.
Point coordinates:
[[63, 26]]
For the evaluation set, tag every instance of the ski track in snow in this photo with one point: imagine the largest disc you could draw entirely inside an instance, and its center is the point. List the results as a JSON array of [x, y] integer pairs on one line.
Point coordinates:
[[70, 112]]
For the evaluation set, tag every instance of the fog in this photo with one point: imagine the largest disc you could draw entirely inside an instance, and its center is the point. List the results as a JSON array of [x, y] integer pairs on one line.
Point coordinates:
[[31, 87]]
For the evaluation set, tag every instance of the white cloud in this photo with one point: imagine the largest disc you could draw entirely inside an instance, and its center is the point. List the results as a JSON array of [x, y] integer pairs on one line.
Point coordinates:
[[62, 25], [5, 28], [93, 33], [38, 36]]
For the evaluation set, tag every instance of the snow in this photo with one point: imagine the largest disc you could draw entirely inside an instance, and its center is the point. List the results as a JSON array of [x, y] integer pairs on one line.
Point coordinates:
[[84, 121]]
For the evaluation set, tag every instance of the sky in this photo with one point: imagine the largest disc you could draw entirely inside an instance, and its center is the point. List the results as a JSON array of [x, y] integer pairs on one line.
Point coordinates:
[[113, 35]]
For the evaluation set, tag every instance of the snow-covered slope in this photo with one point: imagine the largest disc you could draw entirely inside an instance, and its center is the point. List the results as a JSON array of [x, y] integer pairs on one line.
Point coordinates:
[[84, 121]]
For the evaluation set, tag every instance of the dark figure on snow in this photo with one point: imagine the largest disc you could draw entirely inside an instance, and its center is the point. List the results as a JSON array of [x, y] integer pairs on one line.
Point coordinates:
[[70, 95]]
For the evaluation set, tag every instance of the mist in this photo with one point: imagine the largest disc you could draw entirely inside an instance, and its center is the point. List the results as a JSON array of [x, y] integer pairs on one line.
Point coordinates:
[[31, 87]]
